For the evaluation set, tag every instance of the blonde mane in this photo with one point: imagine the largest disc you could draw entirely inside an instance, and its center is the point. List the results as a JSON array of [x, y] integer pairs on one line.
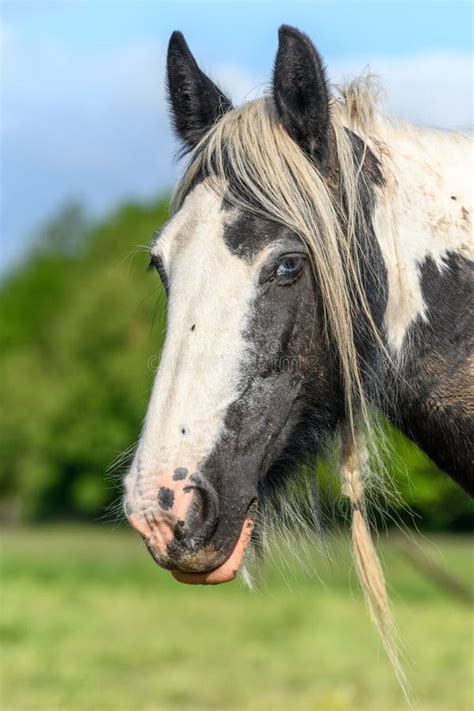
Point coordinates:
[[249, 155]]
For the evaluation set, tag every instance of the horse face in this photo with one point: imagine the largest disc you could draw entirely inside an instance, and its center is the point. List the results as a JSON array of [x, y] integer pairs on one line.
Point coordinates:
[[242, 346], [245, 365]]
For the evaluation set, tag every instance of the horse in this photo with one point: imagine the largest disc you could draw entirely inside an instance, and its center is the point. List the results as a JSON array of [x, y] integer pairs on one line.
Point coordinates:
[[318, 268]]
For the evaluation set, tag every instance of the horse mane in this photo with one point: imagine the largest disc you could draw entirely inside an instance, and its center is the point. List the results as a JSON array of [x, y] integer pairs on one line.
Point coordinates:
[[249, 158]]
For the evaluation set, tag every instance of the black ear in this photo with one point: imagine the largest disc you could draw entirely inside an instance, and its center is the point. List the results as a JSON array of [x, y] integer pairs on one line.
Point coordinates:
[[196, 102], [301, 94]]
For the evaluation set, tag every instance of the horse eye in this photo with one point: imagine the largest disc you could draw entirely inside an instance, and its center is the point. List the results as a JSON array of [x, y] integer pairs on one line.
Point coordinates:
[[157, 264], [289, 267]]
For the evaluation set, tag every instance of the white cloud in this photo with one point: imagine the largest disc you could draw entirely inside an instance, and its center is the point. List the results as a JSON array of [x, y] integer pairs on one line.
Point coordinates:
[[432, 89]]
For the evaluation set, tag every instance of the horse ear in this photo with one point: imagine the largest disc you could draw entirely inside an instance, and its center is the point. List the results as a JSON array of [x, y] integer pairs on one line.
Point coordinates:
[[196, 102], [301, 94]]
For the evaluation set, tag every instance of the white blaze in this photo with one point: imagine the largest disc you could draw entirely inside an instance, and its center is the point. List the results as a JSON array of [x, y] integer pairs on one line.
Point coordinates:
[[210, 293]]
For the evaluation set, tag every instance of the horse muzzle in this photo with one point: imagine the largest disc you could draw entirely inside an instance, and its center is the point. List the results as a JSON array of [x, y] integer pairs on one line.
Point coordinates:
[[189, 530]]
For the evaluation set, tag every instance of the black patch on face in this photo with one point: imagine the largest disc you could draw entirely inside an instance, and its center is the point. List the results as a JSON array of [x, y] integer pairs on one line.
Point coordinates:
[[249, 234], [165, 498], [180, 473], [288, 384]]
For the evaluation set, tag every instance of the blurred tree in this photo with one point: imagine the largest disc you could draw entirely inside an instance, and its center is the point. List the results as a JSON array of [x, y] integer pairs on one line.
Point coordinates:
[[79, 323], [81, 326], [66, 232]]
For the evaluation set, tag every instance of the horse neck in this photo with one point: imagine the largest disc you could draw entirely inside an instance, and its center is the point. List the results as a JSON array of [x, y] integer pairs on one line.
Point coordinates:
[[422, 211], [422, 224]]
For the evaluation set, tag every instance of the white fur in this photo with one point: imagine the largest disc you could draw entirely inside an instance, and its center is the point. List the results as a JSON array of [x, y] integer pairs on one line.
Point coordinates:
[[416, 216], [211, 288]]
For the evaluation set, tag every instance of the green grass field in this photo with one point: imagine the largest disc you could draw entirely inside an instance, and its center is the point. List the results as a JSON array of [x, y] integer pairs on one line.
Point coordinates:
[[89, 622]]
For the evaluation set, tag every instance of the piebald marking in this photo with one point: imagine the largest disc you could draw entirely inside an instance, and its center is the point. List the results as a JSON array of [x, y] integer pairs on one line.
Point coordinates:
[[211, 290], [423, 210]]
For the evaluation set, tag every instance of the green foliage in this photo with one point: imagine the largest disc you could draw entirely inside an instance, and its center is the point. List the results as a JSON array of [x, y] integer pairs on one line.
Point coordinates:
[[428, 498], [81, 327], [79, 323]]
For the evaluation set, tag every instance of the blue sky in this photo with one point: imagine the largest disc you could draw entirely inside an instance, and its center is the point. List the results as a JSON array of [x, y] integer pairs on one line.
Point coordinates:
[[82, 99]]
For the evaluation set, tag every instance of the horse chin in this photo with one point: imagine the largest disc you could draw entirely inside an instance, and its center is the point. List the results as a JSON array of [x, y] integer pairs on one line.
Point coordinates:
[[225, 572]]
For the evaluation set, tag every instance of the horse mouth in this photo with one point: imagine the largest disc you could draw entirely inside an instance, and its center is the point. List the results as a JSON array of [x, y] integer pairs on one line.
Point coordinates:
[[227, 570]]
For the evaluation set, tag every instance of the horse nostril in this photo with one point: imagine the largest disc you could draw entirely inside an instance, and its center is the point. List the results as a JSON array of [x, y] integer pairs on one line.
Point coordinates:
[[180, 530], [203, 513]]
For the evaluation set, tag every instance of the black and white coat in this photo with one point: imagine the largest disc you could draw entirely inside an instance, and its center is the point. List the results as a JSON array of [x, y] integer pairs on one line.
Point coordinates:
[[230, 413]]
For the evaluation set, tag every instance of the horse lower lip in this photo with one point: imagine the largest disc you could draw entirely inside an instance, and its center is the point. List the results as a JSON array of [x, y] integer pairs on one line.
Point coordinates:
[[225, 572]]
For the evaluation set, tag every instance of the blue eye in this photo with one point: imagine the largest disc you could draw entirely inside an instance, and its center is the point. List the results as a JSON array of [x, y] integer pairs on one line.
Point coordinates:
[[289, 267]]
